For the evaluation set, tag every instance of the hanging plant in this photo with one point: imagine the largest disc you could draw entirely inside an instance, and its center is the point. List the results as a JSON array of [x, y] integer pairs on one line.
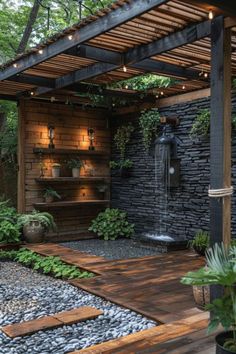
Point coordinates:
[[149, 122], [122, 138], [201, 125]]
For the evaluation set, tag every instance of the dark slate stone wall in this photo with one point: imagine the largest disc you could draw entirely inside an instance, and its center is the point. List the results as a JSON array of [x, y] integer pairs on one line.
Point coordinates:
[[188, 205]]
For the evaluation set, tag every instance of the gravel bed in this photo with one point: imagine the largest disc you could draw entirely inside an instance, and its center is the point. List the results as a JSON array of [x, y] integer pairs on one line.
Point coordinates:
[[117, 249], [27, 295]]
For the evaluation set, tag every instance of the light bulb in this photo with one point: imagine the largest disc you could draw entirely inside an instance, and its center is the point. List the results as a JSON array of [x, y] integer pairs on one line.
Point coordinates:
[[40, 51], [32, 93], [183, 87], [126, 86], [70, 37], [206, 75], [15, 65], [210, 15], [162, 93], [124, 69]]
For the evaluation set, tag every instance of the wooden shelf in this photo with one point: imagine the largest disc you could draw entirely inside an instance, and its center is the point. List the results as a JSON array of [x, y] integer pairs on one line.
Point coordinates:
[[81, 179], [75, 203], [46, 151]]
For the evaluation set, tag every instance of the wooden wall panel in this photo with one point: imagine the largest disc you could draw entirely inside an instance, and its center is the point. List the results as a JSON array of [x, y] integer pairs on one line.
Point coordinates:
[[71, 123]]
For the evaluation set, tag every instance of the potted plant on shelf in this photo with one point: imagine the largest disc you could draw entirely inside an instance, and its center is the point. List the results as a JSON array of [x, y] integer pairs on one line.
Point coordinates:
[[123, 167], [50, 195], [75, 165], [220, 270], [56, 169], [201, 242], [35, 225]]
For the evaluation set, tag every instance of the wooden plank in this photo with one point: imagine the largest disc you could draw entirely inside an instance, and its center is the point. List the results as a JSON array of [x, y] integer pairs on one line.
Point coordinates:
[[21, 158], [114, 18], [47, 151], [77, 315], [66, 204], [29, 327]]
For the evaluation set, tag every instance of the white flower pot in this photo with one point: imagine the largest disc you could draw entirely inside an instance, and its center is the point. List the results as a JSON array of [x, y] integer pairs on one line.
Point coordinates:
[[75, 172], [55, 172]]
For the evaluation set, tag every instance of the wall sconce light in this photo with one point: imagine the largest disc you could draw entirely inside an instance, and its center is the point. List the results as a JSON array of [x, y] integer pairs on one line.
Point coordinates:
[[91, 138], [51, 135]]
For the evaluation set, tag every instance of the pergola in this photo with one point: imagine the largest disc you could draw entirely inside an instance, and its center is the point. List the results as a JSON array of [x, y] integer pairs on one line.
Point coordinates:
[[172, 38]]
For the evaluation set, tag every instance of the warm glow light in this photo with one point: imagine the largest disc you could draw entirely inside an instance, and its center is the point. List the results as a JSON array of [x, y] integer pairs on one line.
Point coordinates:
[[183, 87], [211, 15], [162, 93], [15, 65], [40, 51], [157, 96], [126, 86], [70, 37], [124, 69], [32, 93], [206, 75]]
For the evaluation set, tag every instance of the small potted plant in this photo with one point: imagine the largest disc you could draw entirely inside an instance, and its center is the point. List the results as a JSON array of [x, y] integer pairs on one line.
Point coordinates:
[[35, 225], [56, 169], [201, 242], [220, 270], [123, 167], [50, 195], [75, 165]]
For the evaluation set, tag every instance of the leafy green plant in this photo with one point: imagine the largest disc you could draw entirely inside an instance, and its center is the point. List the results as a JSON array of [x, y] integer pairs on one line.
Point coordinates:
[[122, 138], [75, 163], [201, 125], [44, 218], [220, 270], [127, 163], [201, 242], [47, 265], [149, 122], [50, 192], [9, 232], [8, 255], [111, 224]]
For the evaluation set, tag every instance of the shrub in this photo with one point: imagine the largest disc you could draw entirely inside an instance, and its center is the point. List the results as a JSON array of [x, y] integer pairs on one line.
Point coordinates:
[[201, 242], [122, 138], [9, 232], [127, 163], [111, 224]]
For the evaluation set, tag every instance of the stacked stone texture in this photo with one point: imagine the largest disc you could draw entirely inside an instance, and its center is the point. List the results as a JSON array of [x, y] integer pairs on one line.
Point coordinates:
[[188, 205]]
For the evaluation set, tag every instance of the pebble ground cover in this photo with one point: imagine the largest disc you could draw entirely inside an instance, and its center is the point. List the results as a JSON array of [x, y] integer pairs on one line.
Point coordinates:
[[26, 295]]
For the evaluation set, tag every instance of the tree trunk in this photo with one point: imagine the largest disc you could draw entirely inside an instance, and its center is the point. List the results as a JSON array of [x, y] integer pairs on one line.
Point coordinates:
[[29, 27]]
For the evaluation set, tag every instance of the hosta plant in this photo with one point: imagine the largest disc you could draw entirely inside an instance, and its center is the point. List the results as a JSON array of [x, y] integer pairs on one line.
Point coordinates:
[[111, 224], [44, 218], [220, 270]]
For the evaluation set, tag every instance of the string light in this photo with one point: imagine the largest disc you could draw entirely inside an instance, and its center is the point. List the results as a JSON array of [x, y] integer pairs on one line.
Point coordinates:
[[70, 37], [157, 96], [126, 86], [210, 15], [40, 51], [183, 87], [32, 93], [206, 75], [124, 69], [15, 65], [162, 93]]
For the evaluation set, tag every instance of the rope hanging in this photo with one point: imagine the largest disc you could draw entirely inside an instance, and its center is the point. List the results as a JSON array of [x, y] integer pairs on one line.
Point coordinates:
[[220, 193]]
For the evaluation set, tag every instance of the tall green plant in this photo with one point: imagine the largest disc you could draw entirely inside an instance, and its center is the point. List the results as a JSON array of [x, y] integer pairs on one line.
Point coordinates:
[[220, 270], [149, 122]]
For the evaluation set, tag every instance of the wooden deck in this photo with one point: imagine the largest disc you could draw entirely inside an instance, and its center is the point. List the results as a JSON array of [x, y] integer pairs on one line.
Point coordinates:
[[150, 286]]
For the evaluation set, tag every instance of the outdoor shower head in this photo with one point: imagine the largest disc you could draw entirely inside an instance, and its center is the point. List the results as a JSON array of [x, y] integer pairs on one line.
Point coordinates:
[[165, 139]]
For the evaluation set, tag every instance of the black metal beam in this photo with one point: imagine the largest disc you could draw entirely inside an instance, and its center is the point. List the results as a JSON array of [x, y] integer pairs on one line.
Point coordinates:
[[33, 80], [187, 35], [79, 75], [116, 17], [159, 67], [98, 54], [220, 129]]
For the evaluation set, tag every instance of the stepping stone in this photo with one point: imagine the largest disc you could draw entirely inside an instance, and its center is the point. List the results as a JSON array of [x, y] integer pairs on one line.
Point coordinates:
[[47, 322], [77, 315], [29, 327]]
